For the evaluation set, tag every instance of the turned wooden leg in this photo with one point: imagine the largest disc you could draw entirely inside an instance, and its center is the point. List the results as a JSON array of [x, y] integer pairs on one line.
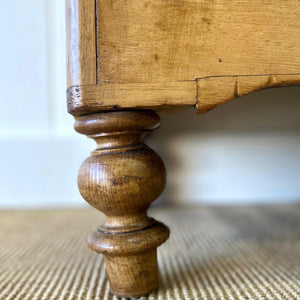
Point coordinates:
[[121, 178]]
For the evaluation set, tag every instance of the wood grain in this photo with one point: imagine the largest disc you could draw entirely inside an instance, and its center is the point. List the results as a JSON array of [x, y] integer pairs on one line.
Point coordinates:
[[122, 178], [215, 91], [81, 42], [141, 54], [174, 40], [94, 98], [142, 45]]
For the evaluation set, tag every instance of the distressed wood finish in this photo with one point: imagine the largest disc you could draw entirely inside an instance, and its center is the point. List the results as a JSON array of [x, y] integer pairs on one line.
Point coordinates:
[[162, 54], [81, 42], [122, 178], [120, 96], [190, 46], [215, 91]]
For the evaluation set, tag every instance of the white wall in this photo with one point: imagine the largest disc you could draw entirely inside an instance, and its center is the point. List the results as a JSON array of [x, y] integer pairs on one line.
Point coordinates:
[[40, 152], [246, 151], [235, 168]]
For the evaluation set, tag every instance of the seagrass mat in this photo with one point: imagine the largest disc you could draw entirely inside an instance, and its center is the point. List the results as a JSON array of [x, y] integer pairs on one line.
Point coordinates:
[[213, 253]]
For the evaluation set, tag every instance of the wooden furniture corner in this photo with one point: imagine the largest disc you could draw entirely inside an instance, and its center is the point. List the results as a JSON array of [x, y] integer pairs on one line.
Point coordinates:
[[128, 60]]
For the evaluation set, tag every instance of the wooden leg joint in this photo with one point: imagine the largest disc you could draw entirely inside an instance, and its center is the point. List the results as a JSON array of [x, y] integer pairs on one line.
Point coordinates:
[[121, 178]]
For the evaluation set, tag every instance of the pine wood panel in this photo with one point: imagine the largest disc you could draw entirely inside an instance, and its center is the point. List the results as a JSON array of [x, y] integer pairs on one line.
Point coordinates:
[[174, 40], [215, 91], [118, 96], [155, 43]]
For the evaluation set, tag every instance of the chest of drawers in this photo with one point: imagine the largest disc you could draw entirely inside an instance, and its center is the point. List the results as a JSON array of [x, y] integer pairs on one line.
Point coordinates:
[[127, 60]]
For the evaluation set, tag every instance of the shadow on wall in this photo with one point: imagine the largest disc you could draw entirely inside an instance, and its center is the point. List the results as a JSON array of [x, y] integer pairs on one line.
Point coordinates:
[[246, 151]]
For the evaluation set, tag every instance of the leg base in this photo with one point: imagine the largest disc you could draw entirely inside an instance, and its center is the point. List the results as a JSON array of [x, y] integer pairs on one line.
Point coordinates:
[[131, 258], [134, 275]]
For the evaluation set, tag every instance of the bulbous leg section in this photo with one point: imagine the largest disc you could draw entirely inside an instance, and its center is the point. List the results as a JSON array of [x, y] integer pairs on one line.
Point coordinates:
[[121, 178]]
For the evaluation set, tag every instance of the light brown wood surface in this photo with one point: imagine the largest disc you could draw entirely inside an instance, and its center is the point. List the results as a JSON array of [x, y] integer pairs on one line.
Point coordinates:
[[122, 178], [81, 42], [156, 54], [160, 54], [94, 98], [214, 91]]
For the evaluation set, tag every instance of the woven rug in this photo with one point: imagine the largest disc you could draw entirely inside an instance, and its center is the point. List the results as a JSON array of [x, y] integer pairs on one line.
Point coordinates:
[[213, 253]]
